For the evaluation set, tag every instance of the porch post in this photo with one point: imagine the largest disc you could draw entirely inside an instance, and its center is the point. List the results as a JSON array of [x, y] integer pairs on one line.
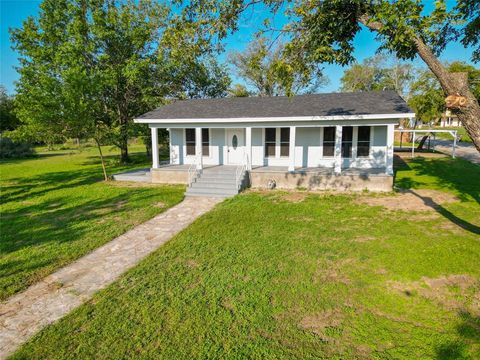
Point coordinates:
[[198, 148], [248, 145], [291, 150], [338, 149], [390, 139], [154, 147]]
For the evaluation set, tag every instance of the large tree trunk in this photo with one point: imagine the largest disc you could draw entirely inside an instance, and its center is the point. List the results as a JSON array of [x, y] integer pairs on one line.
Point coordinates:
[[455, 84], [452, 84]]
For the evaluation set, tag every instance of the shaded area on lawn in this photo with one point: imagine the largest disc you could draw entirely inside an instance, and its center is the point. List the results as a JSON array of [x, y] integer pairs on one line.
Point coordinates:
[[456, 175], [272, 275], [444, 173], [56, 209]]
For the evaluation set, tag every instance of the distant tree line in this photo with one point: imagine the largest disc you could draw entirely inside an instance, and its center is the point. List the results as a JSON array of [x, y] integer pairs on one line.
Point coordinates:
[[418, 86], [88, 67]]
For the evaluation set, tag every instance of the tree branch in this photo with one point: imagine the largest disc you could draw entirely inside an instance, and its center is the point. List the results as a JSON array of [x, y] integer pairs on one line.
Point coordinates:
[[447, 81]]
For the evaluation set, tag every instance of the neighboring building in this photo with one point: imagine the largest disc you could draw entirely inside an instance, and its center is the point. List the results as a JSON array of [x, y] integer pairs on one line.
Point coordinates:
[[449, 120], [338, 141]]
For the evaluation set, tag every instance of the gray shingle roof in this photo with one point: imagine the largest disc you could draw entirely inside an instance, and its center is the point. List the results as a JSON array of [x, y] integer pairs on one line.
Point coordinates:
[[356, 103]]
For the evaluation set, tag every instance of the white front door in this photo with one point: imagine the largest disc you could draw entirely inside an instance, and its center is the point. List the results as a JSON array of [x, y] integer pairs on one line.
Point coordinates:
[[235, 146]]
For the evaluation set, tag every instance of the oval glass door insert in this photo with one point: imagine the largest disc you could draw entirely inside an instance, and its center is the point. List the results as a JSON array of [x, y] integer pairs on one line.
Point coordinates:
[[234, 142]]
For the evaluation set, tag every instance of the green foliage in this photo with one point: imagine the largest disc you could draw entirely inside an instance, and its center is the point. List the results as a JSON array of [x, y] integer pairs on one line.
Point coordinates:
[[88, 67], [469, 12], [55, 209], [324, 277], [323, 31], [378, 73], [10, 149], [8, 118], [427, 97], [238, 90], [270, 74]]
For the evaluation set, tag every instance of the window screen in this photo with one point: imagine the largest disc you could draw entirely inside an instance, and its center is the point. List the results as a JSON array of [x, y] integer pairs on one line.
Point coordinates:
[[329, 141], [363, 144], [270, 138], [284, 141], [190, 141], [205, 142], [347, 138]]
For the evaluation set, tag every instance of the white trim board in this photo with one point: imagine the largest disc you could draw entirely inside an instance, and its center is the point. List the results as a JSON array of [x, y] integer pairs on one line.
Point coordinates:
[[372, 122], [277, 119]]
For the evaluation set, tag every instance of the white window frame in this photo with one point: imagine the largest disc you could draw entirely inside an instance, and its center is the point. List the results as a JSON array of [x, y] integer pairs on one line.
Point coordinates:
[[322, 137], [209, 156]]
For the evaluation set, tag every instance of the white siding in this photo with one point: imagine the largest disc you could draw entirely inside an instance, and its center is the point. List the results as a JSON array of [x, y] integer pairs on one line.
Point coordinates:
[[308, 149], [257, 147], [176, 146]]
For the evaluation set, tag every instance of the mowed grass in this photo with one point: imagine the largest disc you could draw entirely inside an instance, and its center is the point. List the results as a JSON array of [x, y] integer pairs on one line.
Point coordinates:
[[461, 132], [280, 275], [56, 208]]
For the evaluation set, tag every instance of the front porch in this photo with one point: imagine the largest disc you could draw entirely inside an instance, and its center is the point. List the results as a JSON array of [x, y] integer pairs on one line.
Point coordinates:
[[311, 178], [336, 147]]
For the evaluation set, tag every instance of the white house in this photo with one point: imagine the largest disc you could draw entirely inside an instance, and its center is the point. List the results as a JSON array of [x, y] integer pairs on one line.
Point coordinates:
[[340, 141]]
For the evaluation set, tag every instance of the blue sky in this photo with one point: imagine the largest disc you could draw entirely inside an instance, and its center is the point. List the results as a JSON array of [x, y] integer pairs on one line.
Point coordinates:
[[14, 12]]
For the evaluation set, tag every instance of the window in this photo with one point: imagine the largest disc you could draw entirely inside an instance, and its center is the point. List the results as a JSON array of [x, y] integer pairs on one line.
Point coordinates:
[[270, 139], [205, 142], [347, 138], [363, 143], [329, 141], [190, 141], [284, 141]]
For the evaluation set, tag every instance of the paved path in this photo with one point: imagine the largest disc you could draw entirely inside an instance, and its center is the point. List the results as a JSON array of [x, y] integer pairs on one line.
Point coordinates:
[[464, 150], [24, 314]]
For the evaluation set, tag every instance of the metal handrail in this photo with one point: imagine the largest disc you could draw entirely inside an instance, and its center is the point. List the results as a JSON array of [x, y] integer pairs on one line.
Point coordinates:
[[192, 172], [240, 170]]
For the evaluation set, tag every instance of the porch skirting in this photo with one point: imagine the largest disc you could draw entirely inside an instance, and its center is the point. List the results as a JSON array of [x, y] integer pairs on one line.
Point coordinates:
[[310, 178], [321, 180], [169, 176]]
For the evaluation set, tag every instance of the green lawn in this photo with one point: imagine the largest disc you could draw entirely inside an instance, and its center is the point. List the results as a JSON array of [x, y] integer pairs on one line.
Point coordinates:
[[55, 208], [460, 132], [296, 275]]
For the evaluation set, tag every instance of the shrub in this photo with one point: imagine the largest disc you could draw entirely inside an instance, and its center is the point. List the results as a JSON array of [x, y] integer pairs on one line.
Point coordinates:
[[13, 149]]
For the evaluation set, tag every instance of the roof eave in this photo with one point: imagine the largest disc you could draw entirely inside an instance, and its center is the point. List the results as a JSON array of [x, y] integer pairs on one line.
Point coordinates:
[[276, 119]]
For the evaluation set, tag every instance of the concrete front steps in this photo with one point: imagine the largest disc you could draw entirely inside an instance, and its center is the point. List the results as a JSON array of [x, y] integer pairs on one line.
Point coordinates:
[[216, 182]]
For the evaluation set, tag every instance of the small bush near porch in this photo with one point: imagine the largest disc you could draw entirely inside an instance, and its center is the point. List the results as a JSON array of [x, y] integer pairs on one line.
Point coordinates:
[[298, 275], [55, 208]]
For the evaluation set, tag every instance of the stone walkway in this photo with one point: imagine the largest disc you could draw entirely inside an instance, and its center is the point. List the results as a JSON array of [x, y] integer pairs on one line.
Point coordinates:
[[24, 314]]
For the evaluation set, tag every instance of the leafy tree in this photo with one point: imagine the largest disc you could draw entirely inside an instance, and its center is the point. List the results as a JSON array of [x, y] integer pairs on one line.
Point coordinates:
[[378, 73], [427, 95], [238, 90], [8, 119], [427, 98], [262, 68], [323, 31], [88, 67]]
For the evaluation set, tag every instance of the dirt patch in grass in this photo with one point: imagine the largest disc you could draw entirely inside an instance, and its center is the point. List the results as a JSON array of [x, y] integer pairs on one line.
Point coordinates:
[[364, 239], [160, 205], [192, 264], [407, 155], [293, 197], [120, 204], [411, 200], [332, 271], [453, 292], [319, 322], [301, 218]]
